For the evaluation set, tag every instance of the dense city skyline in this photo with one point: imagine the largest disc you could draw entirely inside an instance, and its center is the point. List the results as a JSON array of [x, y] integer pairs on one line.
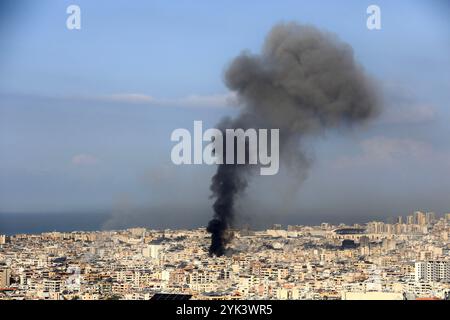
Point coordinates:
[[406, 259]]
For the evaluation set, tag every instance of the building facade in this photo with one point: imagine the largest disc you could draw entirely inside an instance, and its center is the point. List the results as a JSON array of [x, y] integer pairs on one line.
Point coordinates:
[[432, 271]]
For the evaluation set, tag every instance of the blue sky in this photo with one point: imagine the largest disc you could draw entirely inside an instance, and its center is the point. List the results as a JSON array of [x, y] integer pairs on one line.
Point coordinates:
[[86, 115]]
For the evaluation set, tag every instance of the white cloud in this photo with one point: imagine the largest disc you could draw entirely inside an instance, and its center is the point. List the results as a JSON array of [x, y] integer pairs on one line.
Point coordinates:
[[408, 114], [129, 98], [401, 106], [190, 101], [83, 159], [383, 150], [216, 101], [221, 100]]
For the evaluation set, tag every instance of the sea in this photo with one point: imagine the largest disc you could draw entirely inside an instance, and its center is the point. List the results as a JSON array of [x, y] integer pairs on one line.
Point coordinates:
[[35, 223]]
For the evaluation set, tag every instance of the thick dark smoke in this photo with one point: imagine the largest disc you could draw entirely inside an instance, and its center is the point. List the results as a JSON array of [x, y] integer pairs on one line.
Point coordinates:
[[304, 81]]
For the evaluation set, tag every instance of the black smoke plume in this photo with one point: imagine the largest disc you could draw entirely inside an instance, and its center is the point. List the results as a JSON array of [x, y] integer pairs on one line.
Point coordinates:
[[304, 81]]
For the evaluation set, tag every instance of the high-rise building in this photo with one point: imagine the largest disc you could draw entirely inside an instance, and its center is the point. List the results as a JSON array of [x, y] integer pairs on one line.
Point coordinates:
[[153, 251], [5, 276], [364, 241], [419, 218], [399, 219], [438, 270], [410, 219], [430, 217], [447, 217], [2, 239], [375, 227], [389, 244]]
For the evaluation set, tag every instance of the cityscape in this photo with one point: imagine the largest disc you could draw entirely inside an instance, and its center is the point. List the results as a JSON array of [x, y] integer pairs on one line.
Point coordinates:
[[406, 258], [224, 158]]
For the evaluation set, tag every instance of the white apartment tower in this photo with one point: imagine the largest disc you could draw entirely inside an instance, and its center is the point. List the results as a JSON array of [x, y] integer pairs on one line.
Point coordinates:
[[432, 271], [153, 251]]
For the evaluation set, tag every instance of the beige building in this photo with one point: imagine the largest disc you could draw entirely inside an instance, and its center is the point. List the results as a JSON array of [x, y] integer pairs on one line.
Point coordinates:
[[5, 275], [371, 295]]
